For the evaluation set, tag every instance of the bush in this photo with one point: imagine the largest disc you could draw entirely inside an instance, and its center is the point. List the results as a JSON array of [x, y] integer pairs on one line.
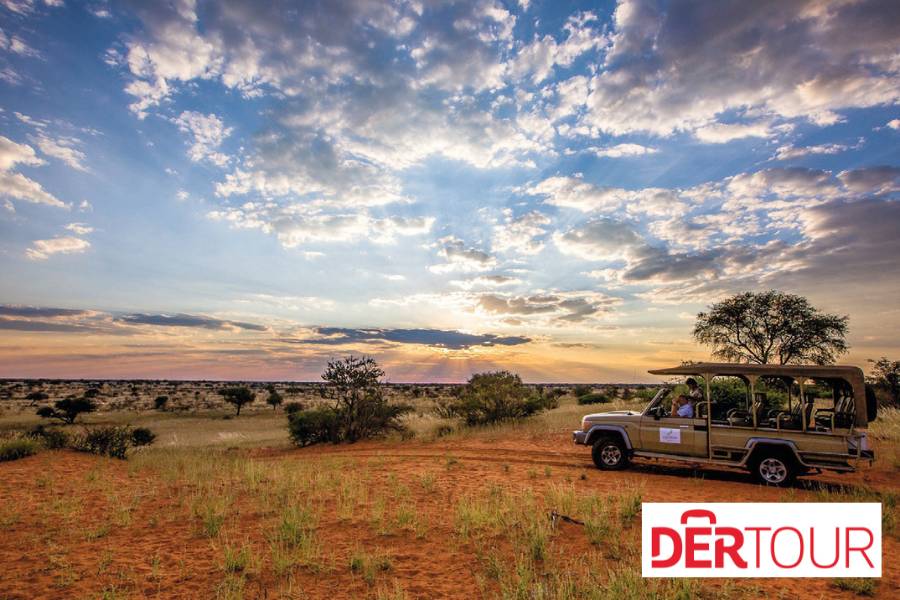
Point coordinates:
[[294, 407], [581, 390], [314, 426], [112, 440], [108, 440], [160, 402], [36, 397], [67, 409], [52, 438], [593, 398], [494, 397], [141, 436], [16, 448]]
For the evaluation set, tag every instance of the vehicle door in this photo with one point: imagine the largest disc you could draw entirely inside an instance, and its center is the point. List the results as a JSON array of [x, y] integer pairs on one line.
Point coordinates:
[[661, 432]]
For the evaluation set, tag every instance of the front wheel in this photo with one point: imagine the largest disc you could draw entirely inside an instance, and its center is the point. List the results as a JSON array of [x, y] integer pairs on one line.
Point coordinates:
[[776, 469], [609, 454]]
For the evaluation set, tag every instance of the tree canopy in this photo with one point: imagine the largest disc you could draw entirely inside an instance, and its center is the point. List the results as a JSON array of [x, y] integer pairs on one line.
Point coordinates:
[[238, 396], [771, 327]]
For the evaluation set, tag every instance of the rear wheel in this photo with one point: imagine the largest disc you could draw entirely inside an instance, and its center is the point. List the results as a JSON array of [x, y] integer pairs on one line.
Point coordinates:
[[609, 454], [774, 468]]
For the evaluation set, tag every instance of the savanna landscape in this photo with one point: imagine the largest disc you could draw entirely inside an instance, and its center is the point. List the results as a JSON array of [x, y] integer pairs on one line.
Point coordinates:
[[222, 505]]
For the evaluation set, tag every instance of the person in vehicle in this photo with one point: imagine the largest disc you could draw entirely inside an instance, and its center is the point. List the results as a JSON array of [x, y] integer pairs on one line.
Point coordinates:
[[683, 405]]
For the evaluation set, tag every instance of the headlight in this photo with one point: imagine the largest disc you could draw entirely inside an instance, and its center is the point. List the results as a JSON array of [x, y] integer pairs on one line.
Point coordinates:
[[584, 423]]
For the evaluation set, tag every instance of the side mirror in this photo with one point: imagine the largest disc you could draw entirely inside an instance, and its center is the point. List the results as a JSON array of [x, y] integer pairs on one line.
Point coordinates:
[[656, 410]]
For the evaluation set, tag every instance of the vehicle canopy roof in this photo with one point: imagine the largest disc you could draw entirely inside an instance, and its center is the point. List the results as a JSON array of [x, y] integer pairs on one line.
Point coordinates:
[[852, 375]]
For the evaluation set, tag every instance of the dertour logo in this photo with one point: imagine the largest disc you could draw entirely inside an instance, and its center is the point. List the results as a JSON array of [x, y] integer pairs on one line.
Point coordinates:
[[751, 539]]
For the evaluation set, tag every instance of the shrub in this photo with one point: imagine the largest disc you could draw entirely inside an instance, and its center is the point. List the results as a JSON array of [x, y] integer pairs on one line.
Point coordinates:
[[493, 397], [37, 396], [593, 398], [238, 396], [16, 448], [160, 402], [52, 438], [141, 436], [581, 390], [314, 426], [112, 440], [294, 407], [67, 409], [108, 440]]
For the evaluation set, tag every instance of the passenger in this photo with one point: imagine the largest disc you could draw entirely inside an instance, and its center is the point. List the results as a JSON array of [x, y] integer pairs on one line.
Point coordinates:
[[683, 405]]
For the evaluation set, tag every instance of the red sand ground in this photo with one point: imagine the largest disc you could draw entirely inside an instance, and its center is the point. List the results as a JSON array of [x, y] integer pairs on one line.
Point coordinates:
[[157, 551]]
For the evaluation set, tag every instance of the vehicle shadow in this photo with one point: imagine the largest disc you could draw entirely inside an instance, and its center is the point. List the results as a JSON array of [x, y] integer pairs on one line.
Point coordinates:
[[807, 483]]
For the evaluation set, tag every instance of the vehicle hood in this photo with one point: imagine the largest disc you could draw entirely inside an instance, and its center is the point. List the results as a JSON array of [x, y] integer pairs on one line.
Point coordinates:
[[613, 414]]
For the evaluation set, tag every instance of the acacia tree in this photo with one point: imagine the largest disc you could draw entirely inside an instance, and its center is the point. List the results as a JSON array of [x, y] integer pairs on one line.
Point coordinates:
[[355, 386], [771, 327], [238, 396], [67, 409], [274, 399]]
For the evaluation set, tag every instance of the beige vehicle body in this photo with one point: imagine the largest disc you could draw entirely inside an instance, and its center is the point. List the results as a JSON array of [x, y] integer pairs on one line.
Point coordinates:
[[810, 435]]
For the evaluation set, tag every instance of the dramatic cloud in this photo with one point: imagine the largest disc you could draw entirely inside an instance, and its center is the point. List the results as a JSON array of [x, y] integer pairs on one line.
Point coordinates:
[[682, 67], [9, 310], [183, 320], [453, 340]]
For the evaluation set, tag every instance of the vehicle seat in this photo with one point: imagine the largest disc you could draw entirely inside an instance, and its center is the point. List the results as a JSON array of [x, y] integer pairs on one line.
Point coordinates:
[[794, 419], [739, 417], [841, 416]]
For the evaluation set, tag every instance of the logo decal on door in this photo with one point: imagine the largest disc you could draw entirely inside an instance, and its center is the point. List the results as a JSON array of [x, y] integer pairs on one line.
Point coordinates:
[[669, 436]]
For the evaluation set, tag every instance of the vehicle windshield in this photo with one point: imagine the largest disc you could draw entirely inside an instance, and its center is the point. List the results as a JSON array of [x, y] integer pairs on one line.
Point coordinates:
[[658, 398]]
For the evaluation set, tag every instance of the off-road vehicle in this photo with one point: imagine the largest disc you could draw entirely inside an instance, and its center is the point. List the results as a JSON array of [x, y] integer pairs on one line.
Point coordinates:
[[791, 420]]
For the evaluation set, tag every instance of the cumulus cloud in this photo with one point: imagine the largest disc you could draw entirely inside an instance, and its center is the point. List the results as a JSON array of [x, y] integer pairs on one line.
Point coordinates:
[[460, 257], [620, 150], [574, 192], [789, 151], [682, 68], [295, 224], [207, 134], [552, 307], [44, 249], [520, 234]]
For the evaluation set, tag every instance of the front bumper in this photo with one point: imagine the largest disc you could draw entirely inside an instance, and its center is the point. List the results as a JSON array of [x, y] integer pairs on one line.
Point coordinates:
[[579, 437]]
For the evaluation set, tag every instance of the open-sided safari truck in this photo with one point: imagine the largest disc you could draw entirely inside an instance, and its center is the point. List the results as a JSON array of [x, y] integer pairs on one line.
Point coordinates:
[[776, 421]]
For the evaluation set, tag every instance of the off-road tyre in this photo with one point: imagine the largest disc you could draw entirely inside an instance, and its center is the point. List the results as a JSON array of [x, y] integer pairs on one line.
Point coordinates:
[[774, 467], [610, 454]]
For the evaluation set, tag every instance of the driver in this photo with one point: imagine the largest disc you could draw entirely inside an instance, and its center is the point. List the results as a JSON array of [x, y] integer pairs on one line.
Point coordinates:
[[683, 405]]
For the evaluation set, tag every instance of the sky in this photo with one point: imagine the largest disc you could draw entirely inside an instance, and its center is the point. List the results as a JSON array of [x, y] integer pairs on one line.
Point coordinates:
[[245, 190]]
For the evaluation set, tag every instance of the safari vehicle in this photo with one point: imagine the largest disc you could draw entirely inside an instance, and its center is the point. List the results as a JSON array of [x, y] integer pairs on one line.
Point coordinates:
[[791, 420]]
